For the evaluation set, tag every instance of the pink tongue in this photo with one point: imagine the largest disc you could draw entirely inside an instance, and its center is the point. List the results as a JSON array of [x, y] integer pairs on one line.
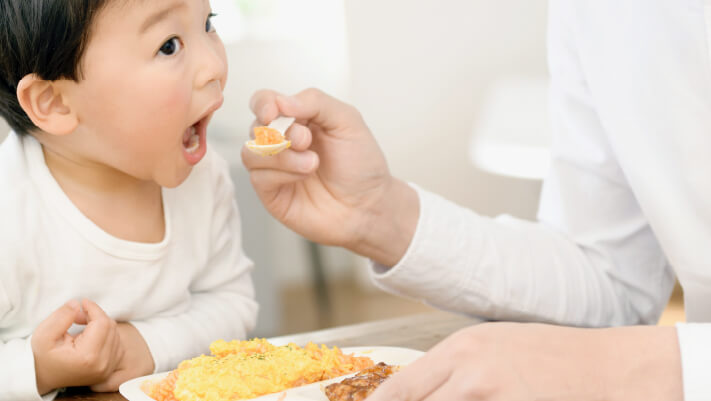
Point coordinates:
[[186, 136]]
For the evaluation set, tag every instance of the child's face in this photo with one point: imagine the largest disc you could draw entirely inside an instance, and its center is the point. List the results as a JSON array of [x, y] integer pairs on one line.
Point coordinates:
[[152, 75]]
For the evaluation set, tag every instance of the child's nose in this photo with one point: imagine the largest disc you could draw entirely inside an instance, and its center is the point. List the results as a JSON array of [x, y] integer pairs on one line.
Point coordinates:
[[212, 64]]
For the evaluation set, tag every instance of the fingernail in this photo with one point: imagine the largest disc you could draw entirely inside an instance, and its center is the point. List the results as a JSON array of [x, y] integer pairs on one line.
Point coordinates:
[[73, 303], [267, 111], [293, 135], [288, 101]]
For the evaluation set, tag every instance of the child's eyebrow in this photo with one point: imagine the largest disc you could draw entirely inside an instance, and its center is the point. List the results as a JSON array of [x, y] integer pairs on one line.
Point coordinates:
[[160, 15]]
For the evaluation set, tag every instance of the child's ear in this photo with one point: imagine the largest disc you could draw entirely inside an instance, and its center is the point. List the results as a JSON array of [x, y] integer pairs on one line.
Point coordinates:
[[45, 104]]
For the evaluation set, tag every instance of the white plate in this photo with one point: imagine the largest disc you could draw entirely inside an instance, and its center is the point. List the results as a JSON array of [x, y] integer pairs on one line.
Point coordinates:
[[310, 392]]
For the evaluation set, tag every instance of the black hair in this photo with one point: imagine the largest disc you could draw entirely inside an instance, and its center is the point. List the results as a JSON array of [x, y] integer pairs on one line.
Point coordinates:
[[43, 37]]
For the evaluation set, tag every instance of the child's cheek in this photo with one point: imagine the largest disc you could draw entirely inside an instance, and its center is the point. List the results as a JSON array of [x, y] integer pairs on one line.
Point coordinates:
[[175, 100]]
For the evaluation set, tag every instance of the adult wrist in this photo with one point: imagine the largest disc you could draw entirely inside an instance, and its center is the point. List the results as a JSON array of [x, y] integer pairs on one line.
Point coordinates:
[[389, 224]]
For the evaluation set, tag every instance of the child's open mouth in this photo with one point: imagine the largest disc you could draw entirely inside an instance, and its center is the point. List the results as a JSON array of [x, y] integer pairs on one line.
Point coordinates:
[[194, 143]]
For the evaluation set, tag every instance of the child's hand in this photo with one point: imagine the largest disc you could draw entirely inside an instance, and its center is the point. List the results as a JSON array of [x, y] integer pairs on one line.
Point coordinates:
[[62, 360], [137, 360]]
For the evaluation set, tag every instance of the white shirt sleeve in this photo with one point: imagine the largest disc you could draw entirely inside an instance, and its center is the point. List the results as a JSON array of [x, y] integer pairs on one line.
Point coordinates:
[[222, 304], [504, 269], [695, 347], [18, 378]]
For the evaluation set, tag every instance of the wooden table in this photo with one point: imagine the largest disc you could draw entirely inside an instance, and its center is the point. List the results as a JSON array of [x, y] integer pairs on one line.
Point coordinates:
[[419, 332]]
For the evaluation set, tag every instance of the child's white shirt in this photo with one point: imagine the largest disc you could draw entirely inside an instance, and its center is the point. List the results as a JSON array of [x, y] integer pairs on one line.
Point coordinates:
[[181, 294]]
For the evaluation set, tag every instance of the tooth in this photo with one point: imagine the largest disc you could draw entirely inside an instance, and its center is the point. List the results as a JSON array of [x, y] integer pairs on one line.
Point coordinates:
[[194, 143]]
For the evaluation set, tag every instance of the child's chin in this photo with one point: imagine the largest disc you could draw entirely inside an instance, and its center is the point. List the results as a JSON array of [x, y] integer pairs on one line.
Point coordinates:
[[176, 179]]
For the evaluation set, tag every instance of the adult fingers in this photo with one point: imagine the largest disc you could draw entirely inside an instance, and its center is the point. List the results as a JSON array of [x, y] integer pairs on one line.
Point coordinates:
[[458, 389], [56, 325], [264, 106], [268, 181], [416, 381], [313, 105], [288, 161], [300, 137]]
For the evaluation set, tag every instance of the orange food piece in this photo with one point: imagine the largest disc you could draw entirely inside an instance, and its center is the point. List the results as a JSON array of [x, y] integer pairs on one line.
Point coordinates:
[[164, 390], [267, 136]]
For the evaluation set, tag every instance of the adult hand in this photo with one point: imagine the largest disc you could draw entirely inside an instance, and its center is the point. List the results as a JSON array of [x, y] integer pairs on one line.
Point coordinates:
[[137, 360], [507, 362], [63, 360], [333, 185]]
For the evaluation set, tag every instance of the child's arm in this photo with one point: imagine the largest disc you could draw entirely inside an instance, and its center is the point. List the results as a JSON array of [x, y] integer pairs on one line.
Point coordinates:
[[52, 358], [222, 295], [137, 360]]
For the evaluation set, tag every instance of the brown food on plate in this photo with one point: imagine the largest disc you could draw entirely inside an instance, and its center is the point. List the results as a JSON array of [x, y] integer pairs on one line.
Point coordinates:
[[358, 387]]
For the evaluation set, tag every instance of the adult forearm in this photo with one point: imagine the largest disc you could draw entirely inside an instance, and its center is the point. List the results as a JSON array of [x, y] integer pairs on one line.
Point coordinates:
[[389, 224]]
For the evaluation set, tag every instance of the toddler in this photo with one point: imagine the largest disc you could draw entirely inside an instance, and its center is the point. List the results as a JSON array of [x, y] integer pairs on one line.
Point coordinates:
[[120, 255]]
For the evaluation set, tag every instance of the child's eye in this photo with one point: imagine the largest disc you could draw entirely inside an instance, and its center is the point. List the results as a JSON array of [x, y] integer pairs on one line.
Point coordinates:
[[170, 47], [208, 23]]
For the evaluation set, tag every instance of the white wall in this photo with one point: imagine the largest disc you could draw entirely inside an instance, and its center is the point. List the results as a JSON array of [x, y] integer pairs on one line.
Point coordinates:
[[420, 71]]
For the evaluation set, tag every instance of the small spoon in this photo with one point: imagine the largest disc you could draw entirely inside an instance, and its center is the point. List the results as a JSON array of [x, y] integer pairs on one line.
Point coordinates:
[[280, 124]]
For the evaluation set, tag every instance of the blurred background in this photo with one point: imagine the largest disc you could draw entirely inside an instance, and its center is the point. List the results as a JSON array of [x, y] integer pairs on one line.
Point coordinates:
[[454, 91], [426, 75], [431, 74]]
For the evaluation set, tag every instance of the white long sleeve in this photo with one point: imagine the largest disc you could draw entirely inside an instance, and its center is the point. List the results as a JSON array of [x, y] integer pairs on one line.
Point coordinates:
[[17, 372], [628, 195], [506, 269]]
